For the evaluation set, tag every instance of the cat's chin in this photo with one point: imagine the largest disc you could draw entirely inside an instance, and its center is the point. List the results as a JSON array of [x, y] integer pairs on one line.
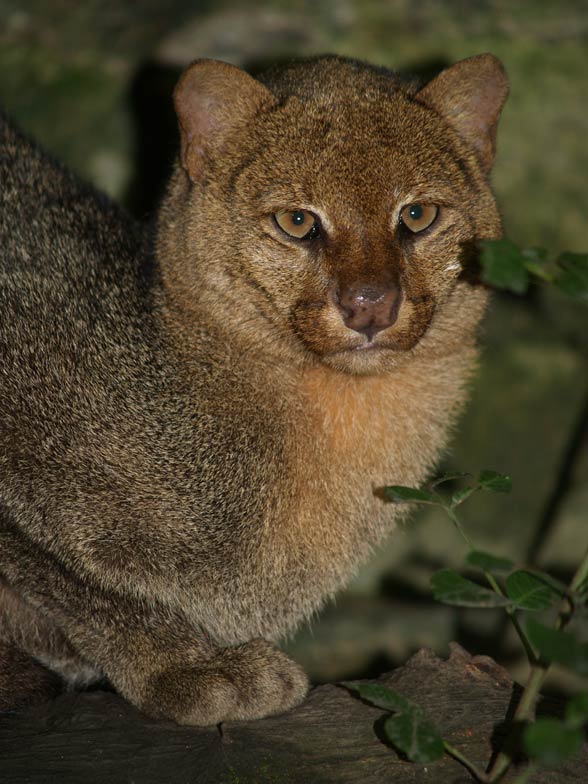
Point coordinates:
[[365, 357], [369, 360]]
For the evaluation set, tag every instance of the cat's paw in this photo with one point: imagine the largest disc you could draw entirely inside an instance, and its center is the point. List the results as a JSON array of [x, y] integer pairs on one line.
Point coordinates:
[[249, 681]]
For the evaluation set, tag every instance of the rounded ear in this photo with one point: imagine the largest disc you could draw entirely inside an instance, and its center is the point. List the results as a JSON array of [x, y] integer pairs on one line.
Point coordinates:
[[470, 96], [212, 99]]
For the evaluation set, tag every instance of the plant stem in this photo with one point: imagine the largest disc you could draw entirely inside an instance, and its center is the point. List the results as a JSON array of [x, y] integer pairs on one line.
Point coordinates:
[[567, 607], [478, 774], [539, 670], [581, 574], [455, 520], [523, 712], [511, 612]]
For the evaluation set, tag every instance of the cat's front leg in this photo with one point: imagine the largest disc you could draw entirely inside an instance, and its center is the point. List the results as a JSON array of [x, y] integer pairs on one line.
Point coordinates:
[[249, 681], [152, 654], [171, 669]]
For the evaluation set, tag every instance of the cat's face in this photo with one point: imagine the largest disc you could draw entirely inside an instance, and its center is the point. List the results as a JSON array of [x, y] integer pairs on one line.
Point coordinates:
[[340, 229]]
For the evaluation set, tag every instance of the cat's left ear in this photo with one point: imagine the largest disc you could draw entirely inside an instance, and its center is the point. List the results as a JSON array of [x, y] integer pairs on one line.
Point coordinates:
[[213, 100], [470, 96]]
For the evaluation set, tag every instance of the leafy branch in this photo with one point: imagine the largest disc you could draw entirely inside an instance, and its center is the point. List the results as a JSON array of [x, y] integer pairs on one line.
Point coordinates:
[[506, 266], [514, 590], [517, 591]]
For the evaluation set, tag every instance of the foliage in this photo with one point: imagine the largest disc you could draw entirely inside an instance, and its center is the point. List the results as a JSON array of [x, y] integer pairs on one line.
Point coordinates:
[[516, 591], [521, 592], [506, 266]]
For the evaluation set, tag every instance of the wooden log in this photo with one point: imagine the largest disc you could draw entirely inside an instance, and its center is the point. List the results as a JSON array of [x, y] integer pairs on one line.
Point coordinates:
[[333, 736]]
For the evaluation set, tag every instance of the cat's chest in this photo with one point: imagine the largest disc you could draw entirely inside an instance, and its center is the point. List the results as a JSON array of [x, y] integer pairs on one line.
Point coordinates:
[[364, 428], [358, 435], [353, 436]]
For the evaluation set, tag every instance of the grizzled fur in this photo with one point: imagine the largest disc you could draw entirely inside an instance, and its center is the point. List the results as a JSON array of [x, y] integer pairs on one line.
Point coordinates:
[[192, 441]]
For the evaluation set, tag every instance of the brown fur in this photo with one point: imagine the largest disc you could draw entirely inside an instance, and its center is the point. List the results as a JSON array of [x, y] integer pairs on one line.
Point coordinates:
[[194, 444]]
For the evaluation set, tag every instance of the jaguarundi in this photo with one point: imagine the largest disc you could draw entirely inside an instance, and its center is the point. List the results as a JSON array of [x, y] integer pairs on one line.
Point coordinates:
[[194, 430]]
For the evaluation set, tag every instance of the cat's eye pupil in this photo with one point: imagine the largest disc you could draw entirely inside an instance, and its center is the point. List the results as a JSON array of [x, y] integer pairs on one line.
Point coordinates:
[[298, 218], [416, 212]]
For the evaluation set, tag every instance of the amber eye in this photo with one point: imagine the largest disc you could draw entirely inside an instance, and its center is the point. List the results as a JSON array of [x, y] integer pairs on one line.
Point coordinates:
[[300, 224], [418, 217]]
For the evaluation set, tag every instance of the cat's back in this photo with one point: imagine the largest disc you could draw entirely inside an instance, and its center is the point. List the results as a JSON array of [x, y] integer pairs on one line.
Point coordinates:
[[75, 281], [57, 234], [71, 261]]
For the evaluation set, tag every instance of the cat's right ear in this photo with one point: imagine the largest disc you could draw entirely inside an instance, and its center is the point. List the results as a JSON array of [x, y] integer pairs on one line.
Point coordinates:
[[470, 96], [213, 99]]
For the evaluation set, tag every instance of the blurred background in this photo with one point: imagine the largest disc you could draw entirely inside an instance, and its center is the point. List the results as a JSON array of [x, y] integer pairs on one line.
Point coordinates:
[[92, 82]]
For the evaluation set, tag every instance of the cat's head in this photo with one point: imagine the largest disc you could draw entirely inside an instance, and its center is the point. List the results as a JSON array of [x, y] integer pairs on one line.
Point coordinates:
[[330, 213]]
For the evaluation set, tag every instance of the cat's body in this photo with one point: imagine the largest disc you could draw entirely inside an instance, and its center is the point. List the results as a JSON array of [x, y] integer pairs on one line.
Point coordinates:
[[192, 443]]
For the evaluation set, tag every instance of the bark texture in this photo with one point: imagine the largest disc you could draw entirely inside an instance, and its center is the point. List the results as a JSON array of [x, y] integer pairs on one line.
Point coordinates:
[[332, 737]]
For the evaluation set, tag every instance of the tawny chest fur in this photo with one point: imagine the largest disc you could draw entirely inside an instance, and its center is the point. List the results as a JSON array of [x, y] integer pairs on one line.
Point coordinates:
[[352, 437]]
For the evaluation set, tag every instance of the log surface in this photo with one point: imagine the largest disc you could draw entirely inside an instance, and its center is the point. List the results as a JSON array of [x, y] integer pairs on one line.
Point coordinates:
[[333, 736]]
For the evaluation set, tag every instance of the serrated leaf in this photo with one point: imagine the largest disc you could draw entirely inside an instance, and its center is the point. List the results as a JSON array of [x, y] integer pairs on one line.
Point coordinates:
[[380, 696], [503, 266], [492, 480], [450, 587], [551, 742], [488, 562], [558, 646], [401, 494], [577, 710], [530, 592], [414, 735]]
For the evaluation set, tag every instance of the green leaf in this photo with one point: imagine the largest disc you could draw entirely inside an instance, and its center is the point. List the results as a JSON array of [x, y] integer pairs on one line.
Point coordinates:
[[551, 742], [581, 593], [460, 495], [451, 477], [381, 696], [573, 276], [401, 494], [414, 735], [450, 587], [408, 729], [487, 480], [535, 260], [560, 647], [503, 266], [530, 592], [489, 563], [557, 585], [577, 710], [492, 480]]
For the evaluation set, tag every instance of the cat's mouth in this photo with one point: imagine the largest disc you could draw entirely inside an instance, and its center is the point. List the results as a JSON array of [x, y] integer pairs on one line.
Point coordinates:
[[371, 346], [323, 332]]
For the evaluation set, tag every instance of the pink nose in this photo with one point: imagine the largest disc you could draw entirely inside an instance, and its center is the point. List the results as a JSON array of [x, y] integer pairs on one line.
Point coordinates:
[[369, 309]]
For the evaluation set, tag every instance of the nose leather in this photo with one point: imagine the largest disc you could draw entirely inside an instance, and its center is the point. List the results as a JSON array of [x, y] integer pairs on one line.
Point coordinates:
[[369, 309]]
